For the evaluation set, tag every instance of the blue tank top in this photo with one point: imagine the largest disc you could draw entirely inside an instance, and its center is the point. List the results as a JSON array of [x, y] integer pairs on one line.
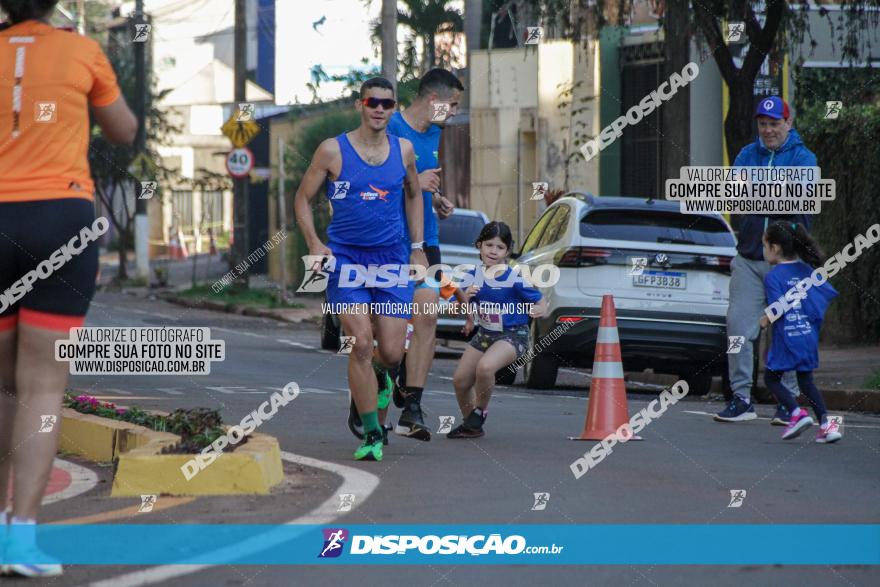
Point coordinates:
[[367, 200], [426, 146]]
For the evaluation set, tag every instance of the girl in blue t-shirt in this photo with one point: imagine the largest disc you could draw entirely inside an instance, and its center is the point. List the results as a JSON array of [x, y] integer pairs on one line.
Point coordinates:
[[793, 254], [502, 302]]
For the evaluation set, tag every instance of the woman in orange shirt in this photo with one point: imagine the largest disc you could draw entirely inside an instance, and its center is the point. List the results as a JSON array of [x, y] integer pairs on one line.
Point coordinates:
[[48, 257]]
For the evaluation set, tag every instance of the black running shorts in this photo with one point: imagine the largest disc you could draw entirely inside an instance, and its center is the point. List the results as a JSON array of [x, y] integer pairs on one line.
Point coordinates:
[[48, 261]]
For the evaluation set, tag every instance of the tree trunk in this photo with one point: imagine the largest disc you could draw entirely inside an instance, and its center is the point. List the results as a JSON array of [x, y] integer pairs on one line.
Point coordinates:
[[123, 257], [676, 112], [389, 42], [738, 124]]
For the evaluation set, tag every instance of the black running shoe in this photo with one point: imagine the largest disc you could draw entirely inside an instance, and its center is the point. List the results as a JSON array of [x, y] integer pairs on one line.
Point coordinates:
[[354, 421], [412, 423], [462, 431], [472, 427], [397, 396]]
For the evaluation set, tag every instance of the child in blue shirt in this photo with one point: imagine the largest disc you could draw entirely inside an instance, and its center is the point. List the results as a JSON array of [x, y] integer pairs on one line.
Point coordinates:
[[502, 302], [793, 254]]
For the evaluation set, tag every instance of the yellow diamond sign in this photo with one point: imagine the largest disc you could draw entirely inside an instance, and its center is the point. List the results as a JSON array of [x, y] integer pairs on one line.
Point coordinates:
[[240, 132], [142, 166]]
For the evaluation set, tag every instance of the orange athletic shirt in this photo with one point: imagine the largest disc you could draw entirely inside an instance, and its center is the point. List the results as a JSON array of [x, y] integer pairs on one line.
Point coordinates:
[[48, 77]]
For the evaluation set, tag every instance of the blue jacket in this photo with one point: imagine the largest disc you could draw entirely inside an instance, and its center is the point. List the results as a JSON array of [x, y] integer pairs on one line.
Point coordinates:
[[792, 153]]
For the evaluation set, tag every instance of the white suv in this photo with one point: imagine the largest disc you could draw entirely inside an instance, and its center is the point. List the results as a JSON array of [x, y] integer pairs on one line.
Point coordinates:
[[668, 273]]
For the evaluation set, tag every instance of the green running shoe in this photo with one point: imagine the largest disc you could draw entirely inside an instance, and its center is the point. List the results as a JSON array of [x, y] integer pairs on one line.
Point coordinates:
[[371, 448], [383, 379]]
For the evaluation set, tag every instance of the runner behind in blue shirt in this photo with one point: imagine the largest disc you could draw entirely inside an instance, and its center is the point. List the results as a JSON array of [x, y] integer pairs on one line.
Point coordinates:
[[503, 303], [793, 254], [421, 123]]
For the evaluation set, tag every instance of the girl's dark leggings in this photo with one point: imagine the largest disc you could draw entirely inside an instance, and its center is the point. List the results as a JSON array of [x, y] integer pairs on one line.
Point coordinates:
[[773, 379]]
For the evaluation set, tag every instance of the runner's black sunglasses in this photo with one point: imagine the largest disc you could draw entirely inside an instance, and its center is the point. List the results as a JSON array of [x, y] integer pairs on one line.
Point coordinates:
[[387, 103]]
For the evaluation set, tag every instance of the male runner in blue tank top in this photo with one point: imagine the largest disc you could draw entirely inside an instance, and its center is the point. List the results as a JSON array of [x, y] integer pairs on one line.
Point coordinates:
[[367, 172], [422, 123]]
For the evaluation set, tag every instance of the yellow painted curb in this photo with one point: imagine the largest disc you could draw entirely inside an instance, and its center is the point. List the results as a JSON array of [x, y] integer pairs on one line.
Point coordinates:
[[253, 468]]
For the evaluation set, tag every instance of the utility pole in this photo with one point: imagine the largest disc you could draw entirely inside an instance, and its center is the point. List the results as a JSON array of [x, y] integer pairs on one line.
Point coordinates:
[[240, 186], [282, 221], [81, 16], [141, 218], [675, 113], [473, 19], [389, 42]]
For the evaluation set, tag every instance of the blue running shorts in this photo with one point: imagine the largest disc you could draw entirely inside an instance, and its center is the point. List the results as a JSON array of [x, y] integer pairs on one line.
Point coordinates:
[[349, 285]]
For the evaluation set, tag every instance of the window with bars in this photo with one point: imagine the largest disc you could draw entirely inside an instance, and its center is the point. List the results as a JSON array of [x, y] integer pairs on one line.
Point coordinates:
[[642, 143], [212, 209], [182, 203]]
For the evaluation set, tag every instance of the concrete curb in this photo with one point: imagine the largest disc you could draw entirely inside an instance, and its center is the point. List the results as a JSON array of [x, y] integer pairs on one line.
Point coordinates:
[[292, 315], [850, 400], [140, 468], [844, 400]]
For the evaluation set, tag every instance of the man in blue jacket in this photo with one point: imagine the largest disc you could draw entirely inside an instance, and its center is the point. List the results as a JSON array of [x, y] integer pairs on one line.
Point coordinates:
[[778, 145]]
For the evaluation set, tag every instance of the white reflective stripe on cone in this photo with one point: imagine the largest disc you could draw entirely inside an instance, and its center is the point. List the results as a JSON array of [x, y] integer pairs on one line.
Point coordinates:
[[607, 334], [607, 370]]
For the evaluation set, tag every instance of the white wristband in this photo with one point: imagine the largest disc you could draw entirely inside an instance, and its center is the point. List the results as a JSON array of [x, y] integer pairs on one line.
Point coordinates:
[[419, 246]]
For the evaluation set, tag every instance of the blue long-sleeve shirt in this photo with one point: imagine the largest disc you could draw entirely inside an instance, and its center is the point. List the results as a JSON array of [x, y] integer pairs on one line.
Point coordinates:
[[792, 153]]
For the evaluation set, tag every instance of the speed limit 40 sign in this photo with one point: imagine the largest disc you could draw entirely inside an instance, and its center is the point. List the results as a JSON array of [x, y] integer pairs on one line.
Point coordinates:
[[239, 162]]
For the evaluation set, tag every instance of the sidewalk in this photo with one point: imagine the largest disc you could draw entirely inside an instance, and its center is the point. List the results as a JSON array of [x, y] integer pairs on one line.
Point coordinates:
[[208, 268]]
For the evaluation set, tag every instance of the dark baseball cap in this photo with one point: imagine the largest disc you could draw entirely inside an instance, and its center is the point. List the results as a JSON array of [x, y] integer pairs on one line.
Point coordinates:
[[773, 107]]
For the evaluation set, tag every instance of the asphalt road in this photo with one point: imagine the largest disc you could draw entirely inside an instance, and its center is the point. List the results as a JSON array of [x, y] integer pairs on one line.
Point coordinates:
[[682, 473]]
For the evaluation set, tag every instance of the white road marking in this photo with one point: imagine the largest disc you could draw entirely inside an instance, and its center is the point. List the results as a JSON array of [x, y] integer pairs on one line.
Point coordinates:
[[232, 389], [356, 481], [81, 480], [295, 343], [845, 424], [169, 390], [122, 391], [135, 311], [318, 391]]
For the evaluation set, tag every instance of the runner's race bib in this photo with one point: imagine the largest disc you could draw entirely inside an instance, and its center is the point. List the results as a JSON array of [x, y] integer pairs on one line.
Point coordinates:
[[489, 321]]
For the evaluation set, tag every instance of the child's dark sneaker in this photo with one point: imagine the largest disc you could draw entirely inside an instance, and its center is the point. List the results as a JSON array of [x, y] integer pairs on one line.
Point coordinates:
[[472, 427]]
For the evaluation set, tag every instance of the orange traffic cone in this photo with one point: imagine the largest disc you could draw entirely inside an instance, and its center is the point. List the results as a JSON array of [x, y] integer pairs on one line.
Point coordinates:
[[607, 409], [177, 248], [212, 250]]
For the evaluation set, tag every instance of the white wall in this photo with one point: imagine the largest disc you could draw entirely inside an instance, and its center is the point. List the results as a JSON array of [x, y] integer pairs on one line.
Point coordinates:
[[337, 44]]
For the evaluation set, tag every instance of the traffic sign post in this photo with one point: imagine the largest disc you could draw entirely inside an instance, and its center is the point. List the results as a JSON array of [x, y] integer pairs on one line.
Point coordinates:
[[240, 132], [239, 162]]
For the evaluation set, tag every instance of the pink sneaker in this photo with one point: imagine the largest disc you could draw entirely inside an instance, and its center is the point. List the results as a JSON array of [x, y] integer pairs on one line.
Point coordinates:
[[800, 421], [829, 432]]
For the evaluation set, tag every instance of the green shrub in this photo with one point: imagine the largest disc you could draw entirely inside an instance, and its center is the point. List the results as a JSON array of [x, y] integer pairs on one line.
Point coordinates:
[[848, 152], [197, 427]]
